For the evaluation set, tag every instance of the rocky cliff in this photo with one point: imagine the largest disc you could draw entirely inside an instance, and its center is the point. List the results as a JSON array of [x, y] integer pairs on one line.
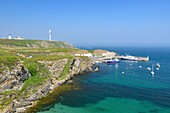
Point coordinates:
[[26, 82]]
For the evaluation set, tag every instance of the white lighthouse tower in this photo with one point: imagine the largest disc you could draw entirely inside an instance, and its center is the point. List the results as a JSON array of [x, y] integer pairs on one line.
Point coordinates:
[[9, 36], [49, 34]]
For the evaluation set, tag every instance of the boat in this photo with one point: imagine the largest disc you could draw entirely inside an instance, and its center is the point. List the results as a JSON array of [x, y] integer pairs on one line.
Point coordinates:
[[140, 66], [152, 72], [148, 68], [129, 57], [158, 65], [134, 58], [112, 61]]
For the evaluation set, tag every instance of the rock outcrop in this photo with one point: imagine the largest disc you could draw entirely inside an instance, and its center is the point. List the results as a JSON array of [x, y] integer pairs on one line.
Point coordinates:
[[81, 65], [13, 78], [96, 69]]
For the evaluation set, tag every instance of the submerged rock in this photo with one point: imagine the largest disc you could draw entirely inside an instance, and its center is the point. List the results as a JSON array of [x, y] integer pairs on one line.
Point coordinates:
[[96, 69], [70, 82]]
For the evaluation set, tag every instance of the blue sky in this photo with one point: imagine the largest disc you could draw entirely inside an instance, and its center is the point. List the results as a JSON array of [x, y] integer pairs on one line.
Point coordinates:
[[89, 22]]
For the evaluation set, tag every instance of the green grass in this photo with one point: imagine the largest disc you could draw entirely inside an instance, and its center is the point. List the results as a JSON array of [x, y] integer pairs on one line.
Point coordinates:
[[66, 70], [49, 58], [21, 43], [40, 50], [5, 100], [37, 71], [7, 92], [9, 61], [34, 43]]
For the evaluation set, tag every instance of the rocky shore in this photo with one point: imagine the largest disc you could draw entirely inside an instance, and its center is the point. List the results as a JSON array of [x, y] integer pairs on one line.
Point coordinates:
[[17, 83]]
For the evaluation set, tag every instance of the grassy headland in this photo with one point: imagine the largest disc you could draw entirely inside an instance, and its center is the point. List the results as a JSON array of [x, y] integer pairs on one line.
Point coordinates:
[[48, 62]]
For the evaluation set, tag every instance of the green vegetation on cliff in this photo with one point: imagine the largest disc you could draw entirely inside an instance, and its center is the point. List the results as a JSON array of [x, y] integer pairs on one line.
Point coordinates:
[[36, 70], [66, 70], [34, 43]]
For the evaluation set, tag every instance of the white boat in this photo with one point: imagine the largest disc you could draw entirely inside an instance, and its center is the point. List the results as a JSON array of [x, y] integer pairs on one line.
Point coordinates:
[[152, 72], [134, 58], [130, 57], [158, 65], [140, 66], [148, 68]]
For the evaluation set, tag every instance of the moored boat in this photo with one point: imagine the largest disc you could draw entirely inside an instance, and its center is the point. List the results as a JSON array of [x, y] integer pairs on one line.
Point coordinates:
[[129, 57], [134, 58], [112, 61]]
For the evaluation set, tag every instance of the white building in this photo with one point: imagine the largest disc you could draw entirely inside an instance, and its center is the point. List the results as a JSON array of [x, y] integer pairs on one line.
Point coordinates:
[[18, 38], [77, 55], [87, 54]]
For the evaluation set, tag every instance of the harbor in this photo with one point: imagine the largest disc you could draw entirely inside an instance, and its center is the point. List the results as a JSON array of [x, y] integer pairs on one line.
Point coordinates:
[[100, 56], [127, 57]]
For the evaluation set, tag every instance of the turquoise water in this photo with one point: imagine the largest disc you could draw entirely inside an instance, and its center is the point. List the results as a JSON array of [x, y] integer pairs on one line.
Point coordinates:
[[110, 91]]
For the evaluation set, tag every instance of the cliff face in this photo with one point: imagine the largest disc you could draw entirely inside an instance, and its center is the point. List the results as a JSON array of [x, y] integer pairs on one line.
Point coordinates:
[[81, 65], [21, 86]]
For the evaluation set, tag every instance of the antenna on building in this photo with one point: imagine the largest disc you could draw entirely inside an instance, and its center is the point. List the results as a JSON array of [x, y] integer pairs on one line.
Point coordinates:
[[49, 34], [9, 36]]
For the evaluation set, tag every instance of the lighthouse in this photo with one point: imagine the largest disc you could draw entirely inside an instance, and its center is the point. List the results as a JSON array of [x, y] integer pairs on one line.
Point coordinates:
[[9, 36], [49, 34]]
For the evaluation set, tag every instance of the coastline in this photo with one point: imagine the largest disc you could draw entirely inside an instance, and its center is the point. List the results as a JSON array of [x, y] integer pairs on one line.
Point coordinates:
[[47, 100], [79, 65], [64, 85]]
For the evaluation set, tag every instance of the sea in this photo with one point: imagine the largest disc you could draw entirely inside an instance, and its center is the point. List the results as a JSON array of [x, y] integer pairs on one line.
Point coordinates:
[[111, 91]]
